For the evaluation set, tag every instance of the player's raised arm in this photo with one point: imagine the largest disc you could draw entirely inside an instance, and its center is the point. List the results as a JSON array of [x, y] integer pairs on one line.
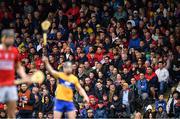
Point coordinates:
[[49, 67]]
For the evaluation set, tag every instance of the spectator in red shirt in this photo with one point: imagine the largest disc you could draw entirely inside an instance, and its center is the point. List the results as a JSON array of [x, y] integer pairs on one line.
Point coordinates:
[[73, 12], [99, 54], [93, 102]]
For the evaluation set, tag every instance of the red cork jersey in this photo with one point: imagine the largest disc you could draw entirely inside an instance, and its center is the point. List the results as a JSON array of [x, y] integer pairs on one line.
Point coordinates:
[[8, 59]]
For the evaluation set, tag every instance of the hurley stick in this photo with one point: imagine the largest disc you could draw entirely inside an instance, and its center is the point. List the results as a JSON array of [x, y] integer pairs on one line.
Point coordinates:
[[45, 26]]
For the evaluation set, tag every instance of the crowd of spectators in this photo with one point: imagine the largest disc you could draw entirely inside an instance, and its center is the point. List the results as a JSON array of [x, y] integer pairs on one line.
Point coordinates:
[[126, 54]]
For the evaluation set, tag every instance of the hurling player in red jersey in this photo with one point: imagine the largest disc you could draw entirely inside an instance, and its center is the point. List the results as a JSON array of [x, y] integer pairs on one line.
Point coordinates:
[[9, 64]]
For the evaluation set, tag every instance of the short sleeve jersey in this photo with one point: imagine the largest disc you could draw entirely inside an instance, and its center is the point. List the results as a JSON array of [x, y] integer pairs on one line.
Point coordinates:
[[8, 59], [65, 86]]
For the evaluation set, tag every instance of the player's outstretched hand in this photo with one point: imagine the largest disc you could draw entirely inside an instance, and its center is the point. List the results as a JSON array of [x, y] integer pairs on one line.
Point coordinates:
[[24, 80], [44, 59], [86, 99]]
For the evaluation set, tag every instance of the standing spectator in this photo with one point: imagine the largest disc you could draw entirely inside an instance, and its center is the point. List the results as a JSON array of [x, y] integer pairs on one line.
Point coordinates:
[[176, 64], [26, 101], [152, 80], [127, 98], [37, 104], [172, 105], [133, 87], [169, 101], [163, 76]]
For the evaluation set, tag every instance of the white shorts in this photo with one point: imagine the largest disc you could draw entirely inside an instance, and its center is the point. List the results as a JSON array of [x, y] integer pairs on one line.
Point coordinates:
[[8, 93]]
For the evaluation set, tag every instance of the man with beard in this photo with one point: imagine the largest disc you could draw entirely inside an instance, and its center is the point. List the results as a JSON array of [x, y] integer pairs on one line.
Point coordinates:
[[26, 101]]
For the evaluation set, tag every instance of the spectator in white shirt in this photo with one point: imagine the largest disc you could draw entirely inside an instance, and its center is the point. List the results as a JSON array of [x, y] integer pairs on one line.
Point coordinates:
[[162, 10], [163, 76]]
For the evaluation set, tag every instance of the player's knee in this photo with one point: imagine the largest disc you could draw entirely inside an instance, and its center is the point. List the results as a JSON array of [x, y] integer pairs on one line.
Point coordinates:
[[71, 115], [57, 115], [11, 114]]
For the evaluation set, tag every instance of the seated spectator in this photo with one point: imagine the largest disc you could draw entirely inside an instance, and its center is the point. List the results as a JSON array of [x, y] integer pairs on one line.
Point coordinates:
[[90, 113], [83, 112], [115, 107], [126, 75], [99, 54], [120, 14], [149, 113], [101, 111], [99, 90], [161, 102], [50, 115], [135, 40], [88, 68], [112, 91], [73, 12], [51, 85], [40, 115], [93, 102], [3, 114], [47, 104], [138, 115], [161, 113], [142, 86]]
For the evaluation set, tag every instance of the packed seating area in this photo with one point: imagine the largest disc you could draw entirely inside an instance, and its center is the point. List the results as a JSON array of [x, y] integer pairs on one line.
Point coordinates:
[[125, 53]]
